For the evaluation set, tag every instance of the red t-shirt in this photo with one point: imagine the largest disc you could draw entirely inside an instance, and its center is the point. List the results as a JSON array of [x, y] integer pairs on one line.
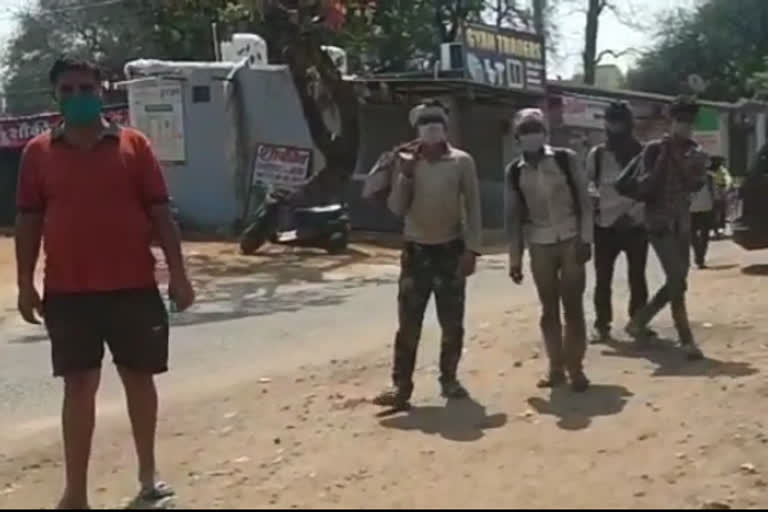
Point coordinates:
[[95, 203]]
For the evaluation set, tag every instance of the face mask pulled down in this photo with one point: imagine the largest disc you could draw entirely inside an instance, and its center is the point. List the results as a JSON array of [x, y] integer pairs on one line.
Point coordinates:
[[532, 142], [81, 109], [432, 133]]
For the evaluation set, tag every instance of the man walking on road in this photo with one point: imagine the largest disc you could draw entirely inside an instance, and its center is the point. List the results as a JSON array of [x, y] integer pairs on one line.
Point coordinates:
[[723, 185], [548, 208], [619, 222], [435, 188], [94, 192], [675, 168], [703, 219]]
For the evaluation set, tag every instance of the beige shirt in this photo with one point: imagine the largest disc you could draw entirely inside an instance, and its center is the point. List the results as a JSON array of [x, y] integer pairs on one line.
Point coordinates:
[[549, 214], [703, 201], [612, 204], [441, 202]]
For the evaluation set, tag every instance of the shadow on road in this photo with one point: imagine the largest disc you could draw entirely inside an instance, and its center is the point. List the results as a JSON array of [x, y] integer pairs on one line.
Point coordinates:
[[271, 283], [460, 420], [29, 338], [755, 270], [290, 264], [671, 362], [575, 411], [723, 266], [231, 287]]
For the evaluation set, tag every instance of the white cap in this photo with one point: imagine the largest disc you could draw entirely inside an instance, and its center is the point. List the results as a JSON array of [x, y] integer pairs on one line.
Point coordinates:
[[529, 115], [421, 111]]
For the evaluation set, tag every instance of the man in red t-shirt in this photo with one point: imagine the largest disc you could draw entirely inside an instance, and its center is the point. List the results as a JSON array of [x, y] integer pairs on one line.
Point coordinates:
[[95, 194]]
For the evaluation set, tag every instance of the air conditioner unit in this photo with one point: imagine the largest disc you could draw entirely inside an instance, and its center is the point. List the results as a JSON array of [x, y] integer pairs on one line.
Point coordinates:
[[451, 57], [339, 58]]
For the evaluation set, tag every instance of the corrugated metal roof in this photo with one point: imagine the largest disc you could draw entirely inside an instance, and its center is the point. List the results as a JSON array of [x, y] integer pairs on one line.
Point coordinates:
[[590, 90], [425, 85]]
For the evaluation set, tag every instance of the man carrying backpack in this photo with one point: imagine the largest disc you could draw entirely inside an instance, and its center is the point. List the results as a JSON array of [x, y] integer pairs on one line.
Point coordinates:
[[668, 172], [548, 208], [435, 188], [619, 223]]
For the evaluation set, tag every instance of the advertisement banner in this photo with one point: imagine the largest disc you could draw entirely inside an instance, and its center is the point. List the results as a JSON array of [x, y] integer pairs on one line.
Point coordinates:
[[504, 58], [15, 132], [707, 131], [584, 112], [157, 109], [283, 167]]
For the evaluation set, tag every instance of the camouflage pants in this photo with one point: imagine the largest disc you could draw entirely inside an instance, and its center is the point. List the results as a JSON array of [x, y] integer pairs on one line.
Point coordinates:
[[426, 269], [672, 248]]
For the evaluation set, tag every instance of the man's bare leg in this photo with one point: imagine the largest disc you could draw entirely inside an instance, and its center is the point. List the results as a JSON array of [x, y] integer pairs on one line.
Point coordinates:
[[141, 396], [78, 420]]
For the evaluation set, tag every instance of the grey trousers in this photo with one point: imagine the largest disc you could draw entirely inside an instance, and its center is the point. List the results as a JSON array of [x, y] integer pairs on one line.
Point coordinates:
[[561, 278], [672, 247]]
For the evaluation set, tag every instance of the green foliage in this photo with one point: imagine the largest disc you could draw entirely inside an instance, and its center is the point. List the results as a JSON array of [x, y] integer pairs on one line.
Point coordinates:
[[759, 82], [724, 41], [110, 33], [399, 35]]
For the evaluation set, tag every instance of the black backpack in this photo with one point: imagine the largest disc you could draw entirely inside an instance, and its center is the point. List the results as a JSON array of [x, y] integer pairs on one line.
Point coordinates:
[[598, 163], [563, 160], [633, 180]]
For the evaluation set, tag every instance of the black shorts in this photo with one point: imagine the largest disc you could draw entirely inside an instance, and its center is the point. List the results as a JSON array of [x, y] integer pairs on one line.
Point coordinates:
[[133, 323]]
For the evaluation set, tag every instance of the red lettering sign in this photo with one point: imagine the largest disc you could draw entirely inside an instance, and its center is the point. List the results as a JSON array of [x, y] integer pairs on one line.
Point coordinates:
[[15, 132], [281, 166]]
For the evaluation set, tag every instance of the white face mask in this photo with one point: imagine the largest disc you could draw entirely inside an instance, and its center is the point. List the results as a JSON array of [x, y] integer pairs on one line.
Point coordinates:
[[683, 130], [432, 133], [532, 142]]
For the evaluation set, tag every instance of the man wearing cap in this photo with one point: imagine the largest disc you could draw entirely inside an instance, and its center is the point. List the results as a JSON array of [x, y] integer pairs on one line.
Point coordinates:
[[619, 220], [675, 168], [548, 208], [435, 189]]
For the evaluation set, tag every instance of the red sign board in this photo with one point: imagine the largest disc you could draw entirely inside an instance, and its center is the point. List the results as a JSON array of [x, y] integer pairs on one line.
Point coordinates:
[[15, 132], [282, 166]]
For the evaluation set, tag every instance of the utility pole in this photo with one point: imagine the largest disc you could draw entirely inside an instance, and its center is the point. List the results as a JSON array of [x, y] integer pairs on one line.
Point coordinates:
[[539, 6]]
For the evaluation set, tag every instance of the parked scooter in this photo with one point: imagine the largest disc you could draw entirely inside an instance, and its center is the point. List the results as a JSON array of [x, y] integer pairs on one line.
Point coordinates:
[[323, 226]]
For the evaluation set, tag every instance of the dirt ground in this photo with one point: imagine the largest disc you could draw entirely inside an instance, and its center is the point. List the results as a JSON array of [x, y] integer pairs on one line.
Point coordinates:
[[211, 260], [655, 431], [7, 269]]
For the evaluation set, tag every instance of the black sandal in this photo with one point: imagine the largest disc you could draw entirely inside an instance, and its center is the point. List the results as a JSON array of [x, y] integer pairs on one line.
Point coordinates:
[[453, 390], [552, 380], [395, 397], [156, 497]]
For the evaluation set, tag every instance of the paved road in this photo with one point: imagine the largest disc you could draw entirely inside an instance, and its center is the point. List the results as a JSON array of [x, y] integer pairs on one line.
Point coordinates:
[[249, 328]]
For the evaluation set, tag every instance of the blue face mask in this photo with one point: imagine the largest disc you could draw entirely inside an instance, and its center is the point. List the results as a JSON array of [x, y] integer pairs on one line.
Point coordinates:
[[81, 109]]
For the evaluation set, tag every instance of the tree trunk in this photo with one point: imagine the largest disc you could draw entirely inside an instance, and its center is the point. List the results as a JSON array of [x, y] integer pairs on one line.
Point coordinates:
[[590, 42], [298, 42]]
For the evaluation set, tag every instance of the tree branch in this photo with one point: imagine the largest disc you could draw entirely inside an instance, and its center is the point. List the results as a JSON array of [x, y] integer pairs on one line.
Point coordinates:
[[628, 17], [614, 54], [304, 56]]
